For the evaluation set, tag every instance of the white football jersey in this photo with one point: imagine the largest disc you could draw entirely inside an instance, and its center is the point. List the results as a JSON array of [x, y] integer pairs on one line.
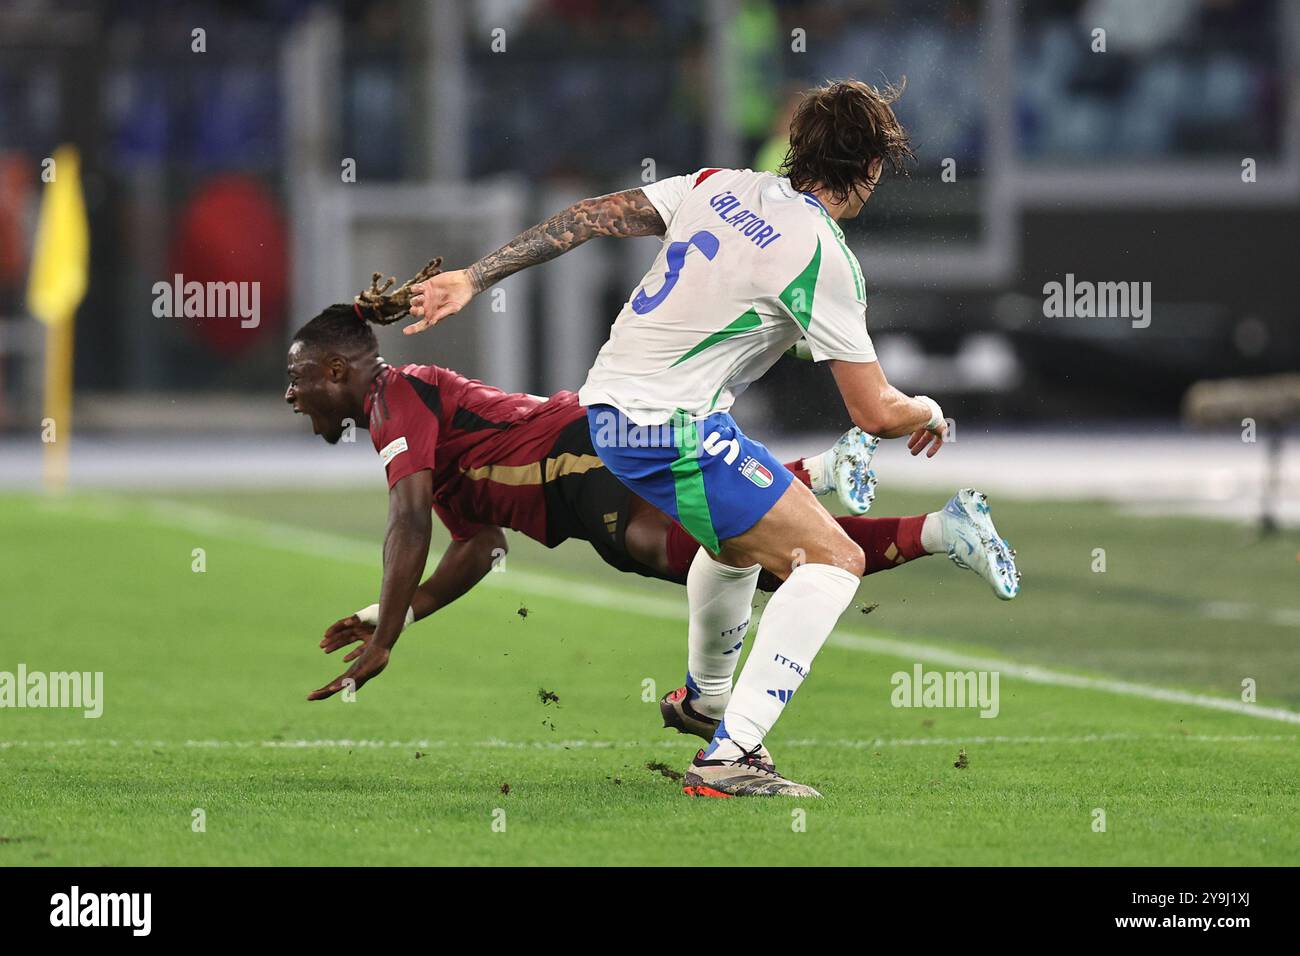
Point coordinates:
[[747, 266]]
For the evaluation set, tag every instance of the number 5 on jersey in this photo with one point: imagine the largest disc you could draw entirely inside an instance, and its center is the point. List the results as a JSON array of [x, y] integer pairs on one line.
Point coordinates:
[[703, 240]]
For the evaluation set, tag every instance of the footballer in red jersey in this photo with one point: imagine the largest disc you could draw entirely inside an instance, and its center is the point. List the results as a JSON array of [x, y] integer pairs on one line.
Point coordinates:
[[482, 460]]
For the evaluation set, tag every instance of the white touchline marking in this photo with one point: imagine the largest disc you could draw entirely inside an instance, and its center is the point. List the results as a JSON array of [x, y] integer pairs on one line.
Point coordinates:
[[1239, 611], [1226, 610], [319, 544], [584, 744], [1041, 675]]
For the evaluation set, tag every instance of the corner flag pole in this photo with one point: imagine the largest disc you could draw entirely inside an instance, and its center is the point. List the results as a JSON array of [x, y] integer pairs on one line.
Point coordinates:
[[55, 288], [59, 339]]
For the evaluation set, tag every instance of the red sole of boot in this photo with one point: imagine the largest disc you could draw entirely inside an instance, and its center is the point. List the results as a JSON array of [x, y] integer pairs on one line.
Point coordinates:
[[702, 791]]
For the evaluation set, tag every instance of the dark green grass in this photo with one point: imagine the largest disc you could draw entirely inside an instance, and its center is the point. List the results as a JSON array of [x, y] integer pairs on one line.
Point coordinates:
[[205, 676]]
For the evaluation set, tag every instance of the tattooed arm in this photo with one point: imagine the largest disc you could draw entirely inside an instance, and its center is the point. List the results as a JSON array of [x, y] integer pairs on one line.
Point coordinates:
[[624, 214]]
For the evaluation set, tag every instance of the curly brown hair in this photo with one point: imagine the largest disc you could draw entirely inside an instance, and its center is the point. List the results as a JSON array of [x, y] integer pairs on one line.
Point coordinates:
[[839, 130]]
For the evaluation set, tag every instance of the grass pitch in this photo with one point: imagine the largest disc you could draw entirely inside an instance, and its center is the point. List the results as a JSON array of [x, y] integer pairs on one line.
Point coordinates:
[[453, 756]]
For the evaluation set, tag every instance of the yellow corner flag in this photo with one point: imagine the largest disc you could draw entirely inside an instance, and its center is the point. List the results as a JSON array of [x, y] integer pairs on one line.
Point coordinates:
[[60, 273]]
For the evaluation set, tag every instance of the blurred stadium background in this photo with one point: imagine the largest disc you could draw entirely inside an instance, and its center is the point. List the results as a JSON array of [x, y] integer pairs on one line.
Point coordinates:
[[1173, 158], [232, 164]]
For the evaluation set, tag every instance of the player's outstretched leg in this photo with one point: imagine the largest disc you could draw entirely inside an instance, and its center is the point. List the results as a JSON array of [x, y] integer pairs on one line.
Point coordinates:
[[964, 530]]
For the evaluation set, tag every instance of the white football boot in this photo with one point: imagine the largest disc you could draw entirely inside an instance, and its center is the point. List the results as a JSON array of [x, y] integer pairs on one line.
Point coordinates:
[[974, 543], [845, 468], [846, 465]]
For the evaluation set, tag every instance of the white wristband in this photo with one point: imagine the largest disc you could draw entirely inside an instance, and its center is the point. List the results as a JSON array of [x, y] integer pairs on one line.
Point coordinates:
[[370, 615], [936, 413]]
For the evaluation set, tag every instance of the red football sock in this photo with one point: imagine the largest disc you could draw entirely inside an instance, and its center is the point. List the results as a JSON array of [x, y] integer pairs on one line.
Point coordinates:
[[886, 542], [681, 550], [799, 471]]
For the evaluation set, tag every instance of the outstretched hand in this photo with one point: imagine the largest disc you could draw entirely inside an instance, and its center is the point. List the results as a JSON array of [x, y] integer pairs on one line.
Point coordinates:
[[438, 297], [371, 661], [347, 631], [382, 304], [924, 438]]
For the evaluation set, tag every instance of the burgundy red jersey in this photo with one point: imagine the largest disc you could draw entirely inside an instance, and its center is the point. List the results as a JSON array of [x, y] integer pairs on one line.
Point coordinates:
[[488, 449]]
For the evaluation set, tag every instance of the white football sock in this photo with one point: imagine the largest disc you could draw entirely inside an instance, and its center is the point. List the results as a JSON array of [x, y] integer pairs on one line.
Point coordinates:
[[821, 475], [932, 533], [720, 598], [795, 625]]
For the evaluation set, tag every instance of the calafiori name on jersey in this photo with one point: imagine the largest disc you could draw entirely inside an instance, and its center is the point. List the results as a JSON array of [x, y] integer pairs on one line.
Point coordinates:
[[749, 224]]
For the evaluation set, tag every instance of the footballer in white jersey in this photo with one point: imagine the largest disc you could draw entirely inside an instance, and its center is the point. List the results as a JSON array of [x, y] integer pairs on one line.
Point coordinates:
[[748, 265]]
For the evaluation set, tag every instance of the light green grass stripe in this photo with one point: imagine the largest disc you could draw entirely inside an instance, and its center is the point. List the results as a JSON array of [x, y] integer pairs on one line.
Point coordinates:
[[1041, 675], [301, 541]]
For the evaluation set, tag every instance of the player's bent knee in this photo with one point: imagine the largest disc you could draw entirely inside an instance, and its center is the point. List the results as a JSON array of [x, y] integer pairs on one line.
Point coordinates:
[[851, 559], [846, 555]]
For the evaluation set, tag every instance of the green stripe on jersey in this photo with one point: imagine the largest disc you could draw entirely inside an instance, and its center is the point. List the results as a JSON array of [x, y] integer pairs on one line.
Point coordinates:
[[859, 285], [798, 295], [745, 323], [688, 484]]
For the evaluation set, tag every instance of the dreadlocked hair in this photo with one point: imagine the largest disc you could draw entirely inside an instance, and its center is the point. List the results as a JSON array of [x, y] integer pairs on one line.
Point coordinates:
[[347, 328], [838, 132], [382, 307]]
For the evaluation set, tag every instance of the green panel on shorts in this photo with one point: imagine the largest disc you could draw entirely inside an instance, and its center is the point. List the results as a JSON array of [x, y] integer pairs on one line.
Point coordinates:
[[688, 484]]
